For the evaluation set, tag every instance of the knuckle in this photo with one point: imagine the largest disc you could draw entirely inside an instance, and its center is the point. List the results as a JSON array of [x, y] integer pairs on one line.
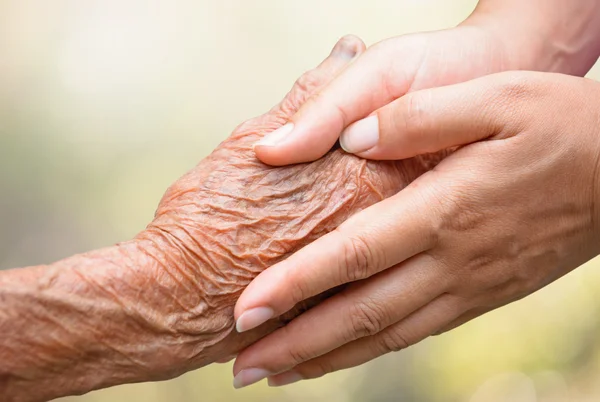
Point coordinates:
[[415, 122], [515, 85], [366, 320], [416, 111], [436, 220], [308, 82], [455, 209], [298, 289], [292, 353], [301, 93], [510, 95], [393, 341], [358, 257], [297, 355]]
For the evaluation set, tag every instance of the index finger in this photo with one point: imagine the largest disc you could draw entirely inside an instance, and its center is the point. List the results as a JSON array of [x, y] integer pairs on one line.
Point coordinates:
[[377, 238]]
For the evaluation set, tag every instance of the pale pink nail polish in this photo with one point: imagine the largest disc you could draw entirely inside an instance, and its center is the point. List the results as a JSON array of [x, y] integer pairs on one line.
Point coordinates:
[[249, 376], [360, 136], [253, 318]]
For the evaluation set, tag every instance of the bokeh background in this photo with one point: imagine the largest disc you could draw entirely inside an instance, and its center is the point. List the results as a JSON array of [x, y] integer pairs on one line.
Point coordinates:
[[103, 103]]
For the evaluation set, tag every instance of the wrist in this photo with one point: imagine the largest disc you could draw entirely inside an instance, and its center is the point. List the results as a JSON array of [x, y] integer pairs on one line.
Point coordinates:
[[535, 36], [99, 319]]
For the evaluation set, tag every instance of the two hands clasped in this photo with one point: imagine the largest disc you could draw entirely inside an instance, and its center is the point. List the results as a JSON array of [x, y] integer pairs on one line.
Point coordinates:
[[513, 208], [512, 204]]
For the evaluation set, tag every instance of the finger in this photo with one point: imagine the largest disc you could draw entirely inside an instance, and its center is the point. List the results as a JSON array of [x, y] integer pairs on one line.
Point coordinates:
[[371, 81], [343, 53], [379, 237], [226, 359], [413, 329], [435, 119], [346, 49], [361, 310], [464, 318]]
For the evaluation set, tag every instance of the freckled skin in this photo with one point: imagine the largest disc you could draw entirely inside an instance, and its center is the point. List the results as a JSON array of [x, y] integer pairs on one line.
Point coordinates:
[[162, 304]]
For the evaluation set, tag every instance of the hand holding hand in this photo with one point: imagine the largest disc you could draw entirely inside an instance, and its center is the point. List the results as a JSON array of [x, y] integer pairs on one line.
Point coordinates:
[[493, 222], [162, 304], [385, 72]]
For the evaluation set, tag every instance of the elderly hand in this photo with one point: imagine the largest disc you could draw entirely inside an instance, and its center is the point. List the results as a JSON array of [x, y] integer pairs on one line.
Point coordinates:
[[162, 304], [495, 221]]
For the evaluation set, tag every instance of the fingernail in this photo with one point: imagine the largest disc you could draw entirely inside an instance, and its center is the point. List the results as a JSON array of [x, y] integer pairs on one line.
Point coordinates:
[[275, 137], [347, 47], [286, 378], [253, 318], [249, 376], [360, 136]]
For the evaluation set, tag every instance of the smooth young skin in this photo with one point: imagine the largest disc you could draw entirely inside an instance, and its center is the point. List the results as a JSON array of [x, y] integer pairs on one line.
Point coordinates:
[[497, 220], [500, 35]]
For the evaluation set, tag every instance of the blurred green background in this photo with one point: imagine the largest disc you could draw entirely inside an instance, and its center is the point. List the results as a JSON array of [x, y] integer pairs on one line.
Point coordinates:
[[103, 103]]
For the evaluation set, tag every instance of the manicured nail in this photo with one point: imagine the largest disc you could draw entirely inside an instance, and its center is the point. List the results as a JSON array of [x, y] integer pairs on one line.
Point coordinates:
[[253, 318], [361, 136], [249, 376], [287, 378], [275, 137]]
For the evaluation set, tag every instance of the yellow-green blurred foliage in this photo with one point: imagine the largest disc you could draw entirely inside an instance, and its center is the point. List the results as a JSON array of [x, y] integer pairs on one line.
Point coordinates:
[[103, 103]]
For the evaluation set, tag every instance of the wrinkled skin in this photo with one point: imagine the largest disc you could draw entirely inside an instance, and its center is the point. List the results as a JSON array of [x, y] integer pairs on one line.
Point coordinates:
[[234, 216], [162, 304]]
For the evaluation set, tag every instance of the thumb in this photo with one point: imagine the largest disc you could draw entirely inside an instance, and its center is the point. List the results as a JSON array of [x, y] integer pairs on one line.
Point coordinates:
[[369, 82], [435, 119]]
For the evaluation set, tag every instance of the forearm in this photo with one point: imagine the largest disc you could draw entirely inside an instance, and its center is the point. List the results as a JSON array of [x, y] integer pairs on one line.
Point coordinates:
[[117, 315], [544, 35]]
